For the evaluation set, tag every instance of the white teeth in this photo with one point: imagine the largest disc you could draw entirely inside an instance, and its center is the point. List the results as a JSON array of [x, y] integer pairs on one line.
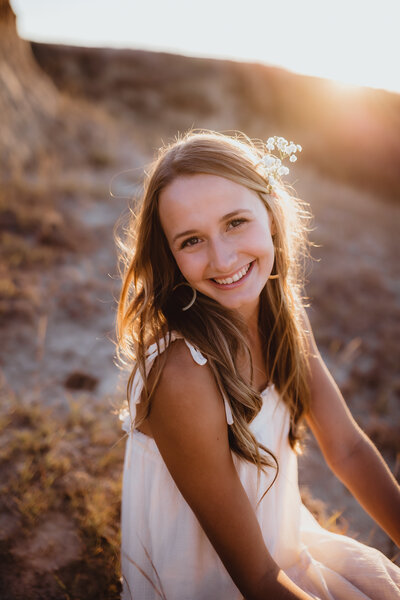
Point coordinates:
[[236, 277]]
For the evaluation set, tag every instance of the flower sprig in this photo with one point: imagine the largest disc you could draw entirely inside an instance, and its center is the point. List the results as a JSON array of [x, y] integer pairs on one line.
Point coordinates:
[[274, 169]]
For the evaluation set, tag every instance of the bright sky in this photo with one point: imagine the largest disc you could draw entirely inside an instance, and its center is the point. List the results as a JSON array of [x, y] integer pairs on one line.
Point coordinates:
[[353, 41]]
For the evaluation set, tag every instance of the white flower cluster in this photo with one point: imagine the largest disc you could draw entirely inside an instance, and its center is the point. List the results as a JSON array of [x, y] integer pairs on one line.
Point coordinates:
[[273, 165]]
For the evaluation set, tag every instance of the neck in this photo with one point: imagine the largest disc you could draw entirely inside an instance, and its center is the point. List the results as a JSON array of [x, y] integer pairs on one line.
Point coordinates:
[[250, 315], [259, 377]]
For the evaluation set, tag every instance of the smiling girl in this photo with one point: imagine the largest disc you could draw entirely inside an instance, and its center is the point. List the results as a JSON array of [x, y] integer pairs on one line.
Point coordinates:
[[225, 371]]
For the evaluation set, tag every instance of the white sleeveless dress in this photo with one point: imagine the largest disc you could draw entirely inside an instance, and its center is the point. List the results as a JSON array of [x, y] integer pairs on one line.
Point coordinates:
[[166, 554]]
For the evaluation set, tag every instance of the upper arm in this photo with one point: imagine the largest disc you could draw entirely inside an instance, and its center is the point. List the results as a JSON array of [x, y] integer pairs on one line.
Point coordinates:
[[188, 423], [329, 418]]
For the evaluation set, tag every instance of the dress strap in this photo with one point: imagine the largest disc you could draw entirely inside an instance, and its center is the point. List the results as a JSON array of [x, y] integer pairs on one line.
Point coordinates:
[[126, 415], [201, 360], [196, 354]]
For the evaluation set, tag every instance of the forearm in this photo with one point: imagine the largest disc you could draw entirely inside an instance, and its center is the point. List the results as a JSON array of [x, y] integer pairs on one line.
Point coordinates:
[[367, 476]]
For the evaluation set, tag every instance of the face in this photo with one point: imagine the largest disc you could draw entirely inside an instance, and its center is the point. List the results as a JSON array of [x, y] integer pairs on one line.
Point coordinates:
[[220, 235]]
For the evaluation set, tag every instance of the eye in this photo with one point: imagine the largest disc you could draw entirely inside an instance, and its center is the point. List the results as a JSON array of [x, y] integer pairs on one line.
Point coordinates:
[[236, 222], [189, 242]]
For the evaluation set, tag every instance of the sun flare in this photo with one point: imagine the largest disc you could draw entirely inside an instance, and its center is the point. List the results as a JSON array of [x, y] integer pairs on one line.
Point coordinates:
[[352, 43]]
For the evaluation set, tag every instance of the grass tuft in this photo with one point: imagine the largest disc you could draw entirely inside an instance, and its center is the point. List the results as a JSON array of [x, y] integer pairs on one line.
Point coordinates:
[[52, 465]]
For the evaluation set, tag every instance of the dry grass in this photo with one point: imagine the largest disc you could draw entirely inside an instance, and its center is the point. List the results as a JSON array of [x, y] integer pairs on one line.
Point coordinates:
[[51, 466]]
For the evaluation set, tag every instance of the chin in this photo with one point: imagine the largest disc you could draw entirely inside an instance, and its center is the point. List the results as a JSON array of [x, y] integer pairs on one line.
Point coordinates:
[[238, 304]]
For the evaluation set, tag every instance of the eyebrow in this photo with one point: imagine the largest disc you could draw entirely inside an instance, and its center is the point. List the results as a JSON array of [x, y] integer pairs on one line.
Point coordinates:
[[224, 218]]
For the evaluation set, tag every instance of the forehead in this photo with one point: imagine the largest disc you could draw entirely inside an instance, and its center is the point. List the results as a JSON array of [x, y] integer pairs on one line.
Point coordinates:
[[203, 197]]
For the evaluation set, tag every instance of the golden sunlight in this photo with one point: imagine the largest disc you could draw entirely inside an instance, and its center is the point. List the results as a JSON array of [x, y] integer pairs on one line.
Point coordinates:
[[351, 42]]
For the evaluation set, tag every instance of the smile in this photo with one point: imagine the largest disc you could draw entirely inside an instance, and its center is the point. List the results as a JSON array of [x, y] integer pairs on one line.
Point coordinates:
[[238, 276]]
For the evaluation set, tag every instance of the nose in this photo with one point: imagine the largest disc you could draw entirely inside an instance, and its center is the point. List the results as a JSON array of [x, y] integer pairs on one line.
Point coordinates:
[[222, 256]]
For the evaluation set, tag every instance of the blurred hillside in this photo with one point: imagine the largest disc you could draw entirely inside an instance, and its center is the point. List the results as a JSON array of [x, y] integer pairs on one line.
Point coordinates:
[[41, 129], [350, 134]]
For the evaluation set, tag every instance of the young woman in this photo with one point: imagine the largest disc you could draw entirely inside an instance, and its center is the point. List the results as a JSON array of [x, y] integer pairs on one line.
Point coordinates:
[[225, 371]]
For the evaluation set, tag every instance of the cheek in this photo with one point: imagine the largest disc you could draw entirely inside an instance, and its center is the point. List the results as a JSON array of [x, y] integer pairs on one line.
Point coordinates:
[[190, 265], [261, 243]]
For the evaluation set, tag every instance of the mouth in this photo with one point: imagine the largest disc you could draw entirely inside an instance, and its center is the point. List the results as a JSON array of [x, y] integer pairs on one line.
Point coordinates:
[[236, 279]]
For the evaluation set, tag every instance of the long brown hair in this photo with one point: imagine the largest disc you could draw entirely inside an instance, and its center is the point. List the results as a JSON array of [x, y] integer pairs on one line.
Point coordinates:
[[150, 303]]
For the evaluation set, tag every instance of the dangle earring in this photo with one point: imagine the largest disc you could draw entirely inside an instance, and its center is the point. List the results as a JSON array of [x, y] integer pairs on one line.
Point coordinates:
[[194, 294], [274, 276]]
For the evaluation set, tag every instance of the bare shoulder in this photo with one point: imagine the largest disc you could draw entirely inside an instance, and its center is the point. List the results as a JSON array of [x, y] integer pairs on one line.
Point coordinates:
[[181, 371], [186, 393]]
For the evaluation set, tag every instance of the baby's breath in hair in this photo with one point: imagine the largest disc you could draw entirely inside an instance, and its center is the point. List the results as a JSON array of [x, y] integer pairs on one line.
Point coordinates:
[[272, 164]]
